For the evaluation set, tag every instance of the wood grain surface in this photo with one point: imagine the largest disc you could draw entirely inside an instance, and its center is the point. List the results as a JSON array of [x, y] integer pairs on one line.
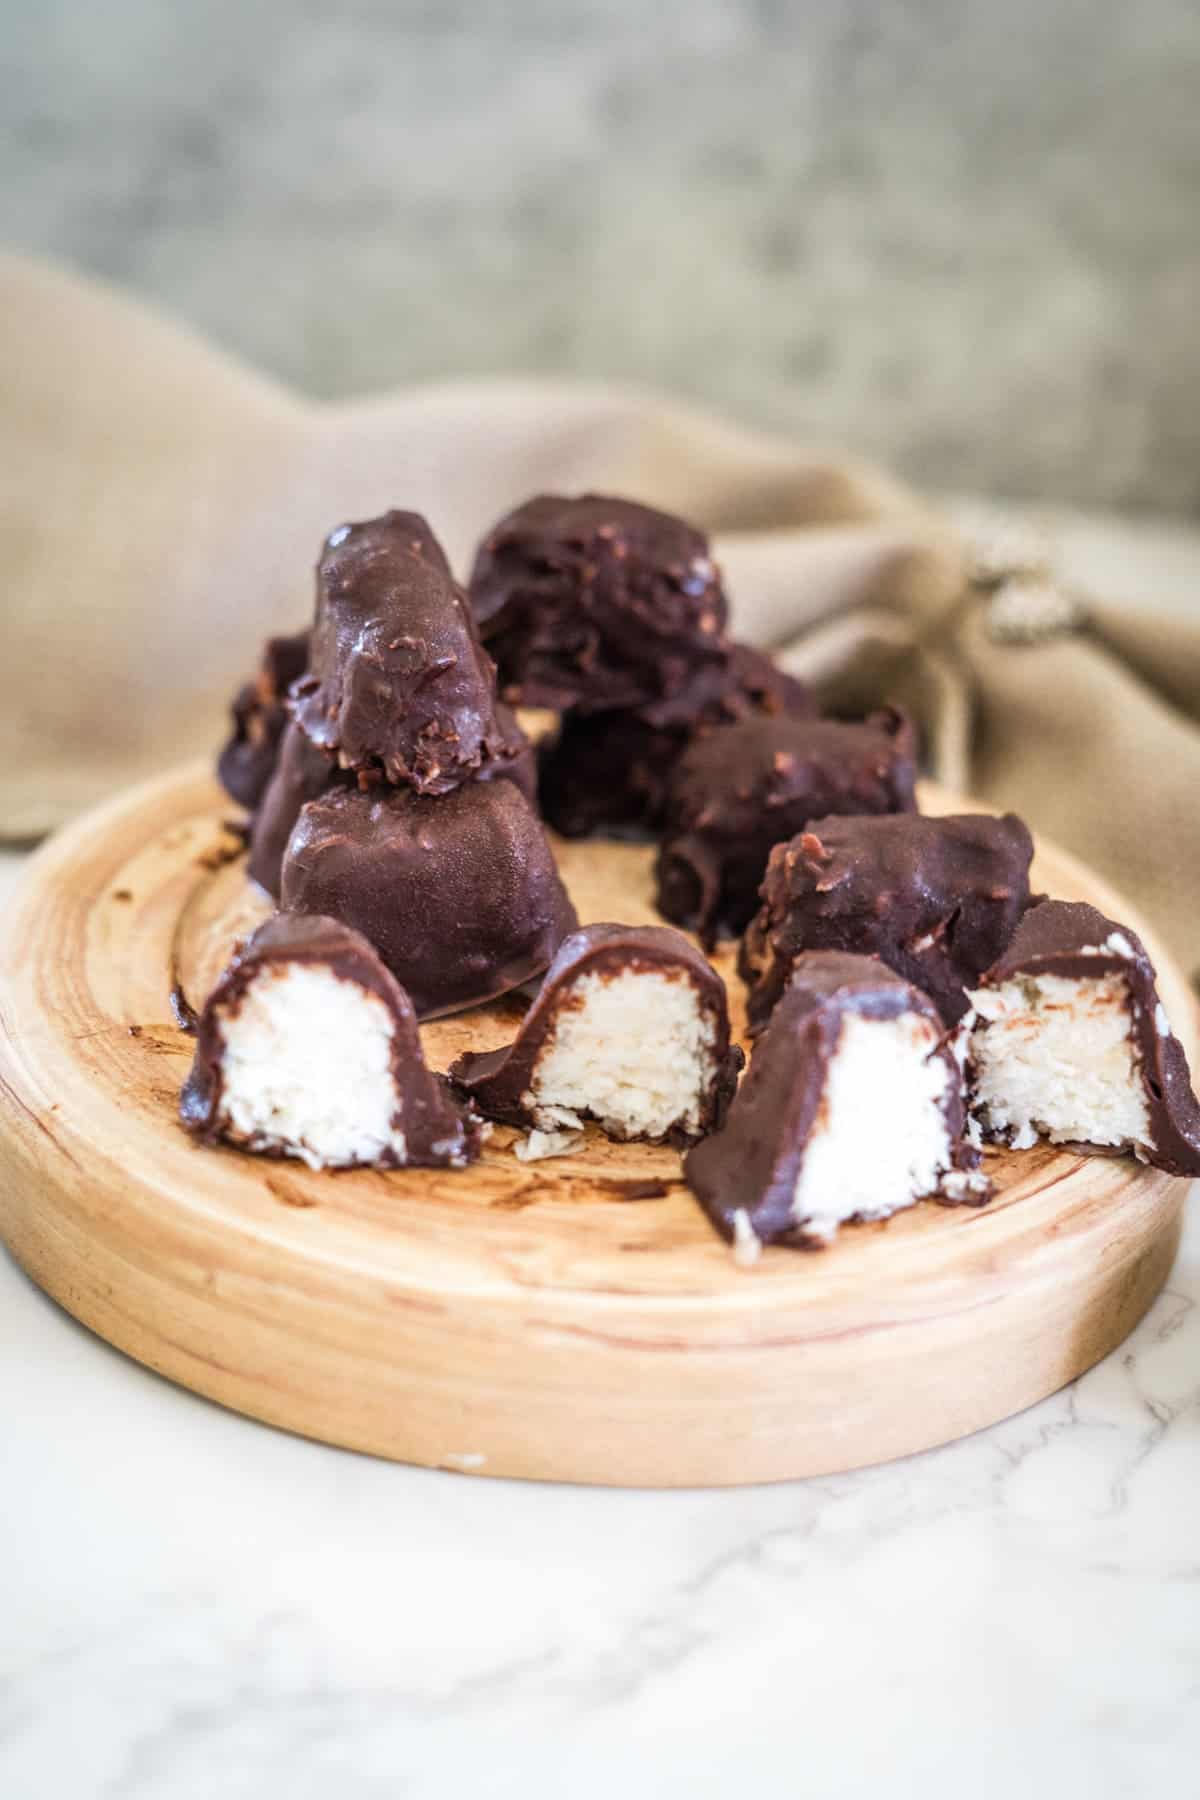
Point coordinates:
[[570, 1320]]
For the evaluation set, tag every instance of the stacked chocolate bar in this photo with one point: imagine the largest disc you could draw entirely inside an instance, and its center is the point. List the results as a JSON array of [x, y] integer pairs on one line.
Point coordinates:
[[614, 616], [399, 801]]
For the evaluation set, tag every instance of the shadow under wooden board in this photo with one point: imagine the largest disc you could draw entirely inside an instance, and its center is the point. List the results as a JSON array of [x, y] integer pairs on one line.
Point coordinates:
[[571, 1320]]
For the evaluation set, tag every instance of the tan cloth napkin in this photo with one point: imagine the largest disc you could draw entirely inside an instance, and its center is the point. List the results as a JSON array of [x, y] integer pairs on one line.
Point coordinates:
[[161, 508]]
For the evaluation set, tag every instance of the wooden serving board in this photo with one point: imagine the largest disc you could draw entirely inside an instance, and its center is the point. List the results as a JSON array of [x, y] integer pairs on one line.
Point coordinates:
[[572, 1320]]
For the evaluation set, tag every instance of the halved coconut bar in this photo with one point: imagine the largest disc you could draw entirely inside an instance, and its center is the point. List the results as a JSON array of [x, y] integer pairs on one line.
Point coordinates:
[[1069, 1041], [852, 1109], [308, 1047], [631, 1029]]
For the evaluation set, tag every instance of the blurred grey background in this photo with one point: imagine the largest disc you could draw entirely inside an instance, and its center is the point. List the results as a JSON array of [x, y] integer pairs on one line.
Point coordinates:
[[959, 235]]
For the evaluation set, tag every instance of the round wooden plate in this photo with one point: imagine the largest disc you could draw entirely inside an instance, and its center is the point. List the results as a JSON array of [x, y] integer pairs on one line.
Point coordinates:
[[573, 1320]]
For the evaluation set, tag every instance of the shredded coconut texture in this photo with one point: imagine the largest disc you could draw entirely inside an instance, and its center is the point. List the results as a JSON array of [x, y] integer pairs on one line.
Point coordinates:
[[1053, 1057], [880, 1142], [307, 1069], [747, 1245], [633, 1051], [540, 1144], [966, 1184]]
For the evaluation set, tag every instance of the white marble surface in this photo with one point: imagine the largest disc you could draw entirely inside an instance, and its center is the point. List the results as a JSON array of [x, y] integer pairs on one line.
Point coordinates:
[[194, 1607]]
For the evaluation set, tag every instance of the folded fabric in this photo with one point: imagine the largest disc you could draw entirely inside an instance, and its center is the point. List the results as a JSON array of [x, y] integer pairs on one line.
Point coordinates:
[[164, 507]]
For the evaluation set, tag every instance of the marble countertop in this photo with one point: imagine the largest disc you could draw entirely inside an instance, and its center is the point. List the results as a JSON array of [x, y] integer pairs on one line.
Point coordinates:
[[193, 1605]]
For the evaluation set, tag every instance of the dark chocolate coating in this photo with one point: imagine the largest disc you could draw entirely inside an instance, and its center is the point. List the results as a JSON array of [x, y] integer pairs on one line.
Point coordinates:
[[304, 773], [610, 770], [459, 894], [247, 762], [753, 1164], [937, 899], [519, 764], [437, 1131], [398, 679], [596, 602], [496, 1079], [1059, 937], [740, 790]]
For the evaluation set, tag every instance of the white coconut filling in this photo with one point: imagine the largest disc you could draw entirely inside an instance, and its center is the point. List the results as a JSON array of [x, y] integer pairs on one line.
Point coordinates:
[[747, 1245], [880, 1141], [965, 1184], [1053, 1057], [538, 1145], [633, 1051], [307, 1068]]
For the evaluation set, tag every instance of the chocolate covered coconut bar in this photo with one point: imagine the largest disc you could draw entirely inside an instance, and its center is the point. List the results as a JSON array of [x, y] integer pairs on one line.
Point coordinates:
[[631, 1029], [459, 894], [610, 770], [398, 681], [937, 898], [596, 602], [304, 773], [1069, 1041], [309, 1048], [247, 761], [740, 790], [851, 1109]]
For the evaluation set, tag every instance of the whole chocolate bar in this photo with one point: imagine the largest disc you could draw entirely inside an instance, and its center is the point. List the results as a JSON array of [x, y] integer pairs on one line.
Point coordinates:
[[937, 898], [609, 771], [398, 680], [459, 894], [308, 1047], [851, 1109], [303, 773], [1070, 1041], [596, 602], [247, 762], [738, 791], [631, 1029]]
